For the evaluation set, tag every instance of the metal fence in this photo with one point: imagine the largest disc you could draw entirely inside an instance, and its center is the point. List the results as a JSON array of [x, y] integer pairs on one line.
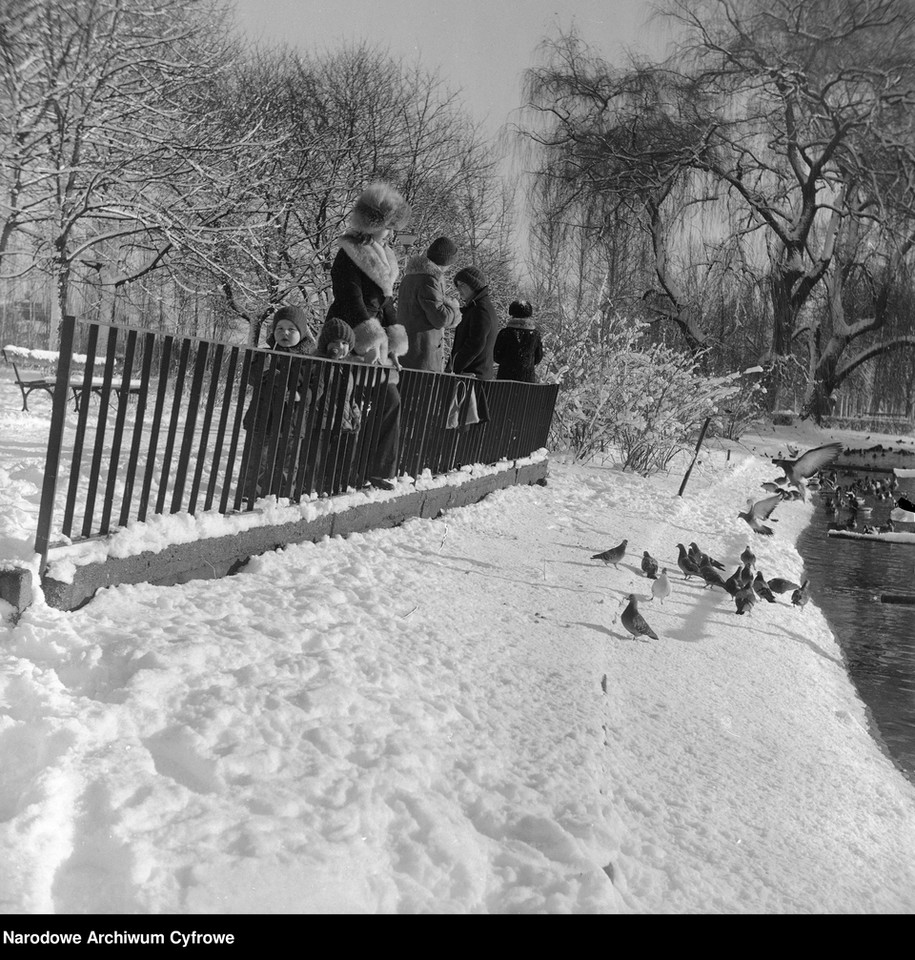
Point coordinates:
[[177, 424]]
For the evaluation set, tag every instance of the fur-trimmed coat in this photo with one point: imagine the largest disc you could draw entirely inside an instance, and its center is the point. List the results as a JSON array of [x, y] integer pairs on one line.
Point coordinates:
[[518, 350], [425, 311], [474, 338], [362, 277]]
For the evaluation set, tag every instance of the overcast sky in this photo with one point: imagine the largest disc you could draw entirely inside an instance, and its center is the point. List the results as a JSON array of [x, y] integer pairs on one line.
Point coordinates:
[[478, 46]]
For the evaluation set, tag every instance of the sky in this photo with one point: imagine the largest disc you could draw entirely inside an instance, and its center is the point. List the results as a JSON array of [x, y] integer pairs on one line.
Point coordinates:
[[446, 717], [480, 47]]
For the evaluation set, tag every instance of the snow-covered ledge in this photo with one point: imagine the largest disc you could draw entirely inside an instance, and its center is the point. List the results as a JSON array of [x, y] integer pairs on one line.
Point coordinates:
[[177, 548]]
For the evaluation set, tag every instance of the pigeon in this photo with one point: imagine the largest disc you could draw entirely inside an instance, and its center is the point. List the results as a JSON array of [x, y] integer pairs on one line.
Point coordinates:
[[613, 555], [801, 595], [732, 584], [748, 558], [687, 567], [698, 557], [649, 566], [771, 487], [778, 585], [744, 599], [759, 511], [634, 622], [660, 589], [711, 576], [744, 576], [797, 471], [762, 588]]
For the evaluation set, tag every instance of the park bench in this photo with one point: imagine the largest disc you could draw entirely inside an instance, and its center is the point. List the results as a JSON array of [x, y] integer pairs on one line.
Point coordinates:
[[77, 386]]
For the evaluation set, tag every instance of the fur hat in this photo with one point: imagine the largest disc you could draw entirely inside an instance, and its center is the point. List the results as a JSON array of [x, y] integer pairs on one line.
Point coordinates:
[[520, 308], [333, 330], [379, 206], [473, 277], [441, 251], [294, 315]]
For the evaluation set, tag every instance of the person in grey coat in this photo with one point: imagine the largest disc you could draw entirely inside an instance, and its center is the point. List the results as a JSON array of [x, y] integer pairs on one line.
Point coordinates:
[[424, 309]]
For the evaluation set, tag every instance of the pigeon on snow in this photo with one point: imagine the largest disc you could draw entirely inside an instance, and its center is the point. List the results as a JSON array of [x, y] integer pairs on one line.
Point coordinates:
[[698, 557], [634, 622], [779, 585], [762, 588], [687, 567], [801, 595], [649, 566], [744, 599], [613, 555], [660, 589]]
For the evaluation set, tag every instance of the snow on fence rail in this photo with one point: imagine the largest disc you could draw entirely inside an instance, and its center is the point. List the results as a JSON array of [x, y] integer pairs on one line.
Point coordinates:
[[183, 446]]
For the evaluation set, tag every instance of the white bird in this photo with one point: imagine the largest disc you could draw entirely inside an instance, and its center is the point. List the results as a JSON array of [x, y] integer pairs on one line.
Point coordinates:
[[660, 589]]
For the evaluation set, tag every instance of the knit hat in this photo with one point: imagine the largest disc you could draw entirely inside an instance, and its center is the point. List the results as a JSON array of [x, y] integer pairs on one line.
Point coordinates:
[[333, 330], [473, 277], [441, 251], [294, 315], [520, 309], [380, 206]]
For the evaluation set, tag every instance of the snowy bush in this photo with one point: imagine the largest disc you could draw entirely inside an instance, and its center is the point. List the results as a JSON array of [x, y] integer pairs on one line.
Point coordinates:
[[645, 401], [746, 406]]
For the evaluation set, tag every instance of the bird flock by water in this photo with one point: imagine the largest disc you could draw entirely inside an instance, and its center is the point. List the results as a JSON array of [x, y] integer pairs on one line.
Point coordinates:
[[747, 585]]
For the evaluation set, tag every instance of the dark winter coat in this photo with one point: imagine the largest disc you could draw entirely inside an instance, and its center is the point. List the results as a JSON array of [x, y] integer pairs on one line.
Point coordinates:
[[362, 277], [518, 350], [474, 338], [425, 311], [297, 392]]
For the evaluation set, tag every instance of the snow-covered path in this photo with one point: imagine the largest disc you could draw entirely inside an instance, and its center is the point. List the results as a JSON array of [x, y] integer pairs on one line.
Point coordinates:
[[415, 720]]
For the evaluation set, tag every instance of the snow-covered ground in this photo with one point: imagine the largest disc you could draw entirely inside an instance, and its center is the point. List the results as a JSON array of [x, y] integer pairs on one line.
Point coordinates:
[[448, 717]]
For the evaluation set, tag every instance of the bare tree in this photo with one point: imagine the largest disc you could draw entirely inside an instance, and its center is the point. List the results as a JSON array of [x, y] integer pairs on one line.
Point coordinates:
[[94, 114], [759, 120]]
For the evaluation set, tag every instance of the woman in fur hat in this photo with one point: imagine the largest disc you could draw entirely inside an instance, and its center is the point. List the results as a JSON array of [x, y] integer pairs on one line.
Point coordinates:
[[518, 347], [425, 309], [362, 276]]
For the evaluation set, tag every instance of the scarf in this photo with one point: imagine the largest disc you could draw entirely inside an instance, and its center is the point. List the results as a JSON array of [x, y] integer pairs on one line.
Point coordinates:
[[377, 262]]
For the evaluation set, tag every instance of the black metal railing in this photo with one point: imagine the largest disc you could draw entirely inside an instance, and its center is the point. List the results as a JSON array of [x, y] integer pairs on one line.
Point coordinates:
[[215, 427]]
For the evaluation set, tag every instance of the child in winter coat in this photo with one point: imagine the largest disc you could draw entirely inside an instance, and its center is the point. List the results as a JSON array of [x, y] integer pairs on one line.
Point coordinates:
[[288, 334], [518, 347]]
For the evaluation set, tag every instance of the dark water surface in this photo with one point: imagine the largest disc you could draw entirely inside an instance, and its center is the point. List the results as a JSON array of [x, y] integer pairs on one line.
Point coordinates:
[[877, 639]]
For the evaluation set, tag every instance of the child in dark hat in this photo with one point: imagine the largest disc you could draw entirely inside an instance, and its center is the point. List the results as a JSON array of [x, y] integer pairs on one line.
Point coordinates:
[[289, 331], [519, 347], [288, 334], [425, 309], [336, 340], [475, 336]]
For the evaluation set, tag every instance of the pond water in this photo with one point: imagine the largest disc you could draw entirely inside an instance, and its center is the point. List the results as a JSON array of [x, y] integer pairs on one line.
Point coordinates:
[[847, 577]]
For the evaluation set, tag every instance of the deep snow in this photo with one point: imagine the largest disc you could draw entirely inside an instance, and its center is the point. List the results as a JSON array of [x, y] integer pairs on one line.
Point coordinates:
[[447, 717]]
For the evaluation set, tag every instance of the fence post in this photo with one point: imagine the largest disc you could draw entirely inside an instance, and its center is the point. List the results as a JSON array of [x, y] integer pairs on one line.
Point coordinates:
[[55, 439], [689, 470]]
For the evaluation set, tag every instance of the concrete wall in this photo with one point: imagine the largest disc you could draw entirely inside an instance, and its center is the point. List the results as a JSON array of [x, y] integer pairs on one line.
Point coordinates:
[[222, 556]]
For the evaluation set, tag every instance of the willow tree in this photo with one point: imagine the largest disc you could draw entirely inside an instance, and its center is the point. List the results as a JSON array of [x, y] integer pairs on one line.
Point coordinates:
[[760, 114]]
